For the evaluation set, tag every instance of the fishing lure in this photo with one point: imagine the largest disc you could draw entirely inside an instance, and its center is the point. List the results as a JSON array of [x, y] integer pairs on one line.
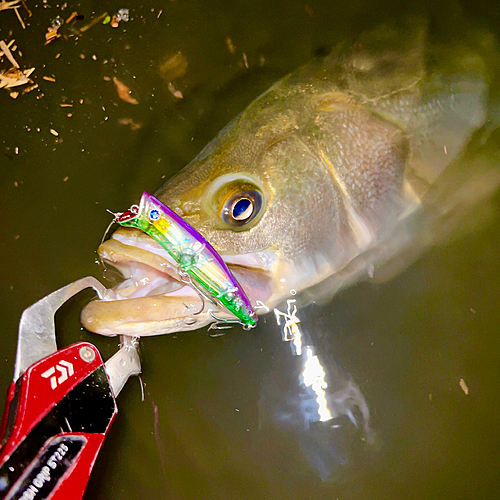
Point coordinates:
[[192, 253]]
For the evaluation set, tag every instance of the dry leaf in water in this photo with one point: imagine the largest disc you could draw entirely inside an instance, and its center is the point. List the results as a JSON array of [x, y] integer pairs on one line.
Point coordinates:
[[124, 92]]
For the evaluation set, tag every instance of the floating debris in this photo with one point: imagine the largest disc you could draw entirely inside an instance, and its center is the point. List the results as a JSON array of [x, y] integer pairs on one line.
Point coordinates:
[[16, 10], [49, 78], [175, 92], [309, 10], [121, 16], [174, 67], [4, 5], [71, 17], [15, 77], [130, 123], [51, 35], [53, 30], [124, 92], [94, 22], [57, 22], [7, 53], [29, 89], [13, 5], [463, 386], [230, 45], [26, 8]]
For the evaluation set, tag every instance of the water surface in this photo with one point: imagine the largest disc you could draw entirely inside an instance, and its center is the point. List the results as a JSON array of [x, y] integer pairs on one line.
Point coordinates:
[[202, 431]]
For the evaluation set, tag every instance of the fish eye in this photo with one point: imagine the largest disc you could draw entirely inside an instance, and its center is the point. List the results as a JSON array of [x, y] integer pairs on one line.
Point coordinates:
[[240, 208]]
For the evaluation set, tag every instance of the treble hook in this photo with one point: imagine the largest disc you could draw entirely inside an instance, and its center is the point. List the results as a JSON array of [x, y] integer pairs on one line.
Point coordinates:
[[186, 278], [225, 324], [132, 212]]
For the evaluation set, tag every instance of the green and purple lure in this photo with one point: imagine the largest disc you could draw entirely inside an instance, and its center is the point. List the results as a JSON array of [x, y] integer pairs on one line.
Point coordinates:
[[193, 254]]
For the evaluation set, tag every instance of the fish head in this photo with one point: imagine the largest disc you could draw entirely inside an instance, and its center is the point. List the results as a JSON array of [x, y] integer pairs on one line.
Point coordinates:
[[267, 196], [252, 200]]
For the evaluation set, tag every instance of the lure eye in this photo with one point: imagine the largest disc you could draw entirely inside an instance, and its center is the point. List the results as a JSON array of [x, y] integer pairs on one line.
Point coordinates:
[[154, 215], [240, 208]]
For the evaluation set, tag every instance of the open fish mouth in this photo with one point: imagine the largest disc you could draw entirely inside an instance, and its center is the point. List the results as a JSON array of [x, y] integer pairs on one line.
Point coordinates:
[[154, 299]]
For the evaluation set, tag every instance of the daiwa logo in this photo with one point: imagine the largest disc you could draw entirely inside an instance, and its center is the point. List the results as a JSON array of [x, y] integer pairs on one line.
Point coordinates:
[[65, 368]]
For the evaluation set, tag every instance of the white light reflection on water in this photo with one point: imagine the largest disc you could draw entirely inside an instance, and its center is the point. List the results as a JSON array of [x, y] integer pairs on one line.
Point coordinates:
[[291, 331], [317, 402], [313, 374]]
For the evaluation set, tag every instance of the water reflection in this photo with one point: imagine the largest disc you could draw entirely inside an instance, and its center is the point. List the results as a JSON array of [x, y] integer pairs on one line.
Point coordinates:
[[315, 400], [313, 377]]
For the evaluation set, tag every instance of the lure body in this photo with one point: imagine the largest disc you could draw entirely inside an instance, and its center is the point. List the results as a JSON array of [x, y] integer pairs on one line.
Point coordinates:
[[192, 252]]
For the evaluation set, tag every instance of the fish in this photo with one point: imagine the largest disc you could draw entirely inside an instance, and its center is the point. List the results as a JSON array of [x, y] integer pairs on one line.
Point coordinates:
[[356, 160]]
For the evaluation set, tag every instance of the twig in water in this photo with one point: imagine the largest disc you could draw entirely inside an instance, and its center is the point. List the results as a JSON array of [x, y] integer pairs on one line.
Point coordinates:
[[8, 53], [93, 22], [5, 5], [16, 10]]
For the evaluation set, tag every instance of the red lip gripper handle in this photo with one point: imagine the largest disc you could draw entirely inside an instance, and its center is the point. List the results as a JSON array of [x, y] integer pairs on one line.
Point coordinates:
[[57, 417]]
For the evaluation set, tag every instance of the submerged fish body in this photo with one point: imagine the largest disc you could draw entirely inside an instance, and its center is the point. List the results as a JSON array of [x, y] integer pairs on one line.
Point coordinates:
[[322, 169]]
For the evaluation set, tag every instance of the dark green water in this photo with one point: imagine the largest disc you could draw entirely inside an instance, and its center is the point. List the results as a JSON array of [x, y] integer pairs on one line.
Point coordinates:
[[199, 433]]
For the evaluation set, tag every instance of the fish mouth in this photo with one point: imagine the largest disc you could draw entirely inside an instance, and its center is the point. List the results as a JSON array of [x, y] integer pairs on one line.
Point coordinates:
[[153, 299]]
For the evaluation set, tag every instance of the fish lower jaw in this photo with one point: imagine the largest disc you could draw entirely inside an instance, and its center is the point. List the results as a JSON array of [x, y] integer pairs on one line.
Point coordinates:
[[147, 302], [145, 316]]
